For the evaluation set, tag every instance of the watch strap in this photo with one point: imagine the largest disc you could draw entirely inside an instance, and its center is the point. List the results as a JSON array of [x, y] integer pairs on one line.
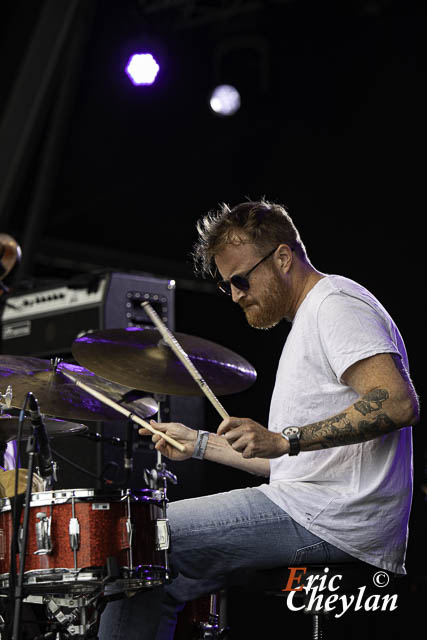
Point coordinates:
[[294, 445], [292, 435]]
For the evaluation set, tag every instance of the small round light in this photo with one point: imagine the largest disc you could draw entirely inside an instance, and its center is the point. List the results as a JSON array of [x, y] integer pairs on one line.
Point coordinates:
[[225, 100], [142, 68]]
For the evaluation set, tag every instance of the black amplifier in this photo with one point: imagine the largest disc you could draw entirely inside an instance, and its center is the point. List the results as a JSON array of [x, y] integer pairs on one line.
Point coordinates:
[[46, 321]]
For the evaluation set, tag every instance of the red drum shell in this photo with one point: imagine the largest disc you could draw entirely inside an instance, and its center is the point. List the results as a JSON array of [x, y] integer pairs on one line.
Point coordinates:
[[103, 533]]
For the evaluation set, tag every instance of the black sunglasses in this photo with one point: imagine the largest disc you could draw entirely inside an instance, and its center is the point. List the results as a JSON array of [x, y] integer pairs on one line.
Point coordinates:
[[241, 282]]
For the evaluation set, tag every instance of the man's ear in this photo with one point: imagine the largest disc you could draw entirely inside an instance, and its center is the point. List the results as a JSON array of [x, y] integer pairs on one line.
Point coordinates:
[[284, 257]]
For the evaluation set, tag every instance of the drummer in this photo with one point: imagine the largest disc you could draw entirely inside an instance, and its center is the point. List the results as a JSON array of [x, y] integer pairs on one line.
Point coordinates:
[[338, 449]]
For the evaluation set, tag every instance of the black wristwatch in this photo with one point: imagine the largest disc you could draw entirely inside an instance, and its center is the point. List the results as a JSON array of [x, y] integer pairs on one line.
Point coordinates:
[[292, 435]]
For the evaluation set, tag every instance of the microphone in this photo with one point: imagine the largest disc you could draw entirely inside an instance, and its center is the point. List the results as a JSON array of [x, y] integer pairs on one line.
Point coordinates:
[[44, 452]]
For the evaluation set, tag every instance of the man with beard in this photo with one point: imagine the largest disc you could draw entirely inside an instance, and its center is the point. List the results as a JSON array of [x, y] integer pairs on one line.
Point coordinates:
[[337, 451]]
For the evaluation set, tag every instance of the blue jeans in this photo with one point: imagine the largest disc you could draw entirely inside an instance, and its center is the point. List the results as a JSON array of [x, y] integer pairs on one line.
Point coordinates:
[[214, 538]]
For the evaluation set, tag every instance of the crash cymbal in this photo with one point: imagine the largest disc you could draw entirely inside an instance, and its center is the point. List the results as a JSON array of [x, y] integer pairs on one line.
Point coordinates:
[[9, 427], [140, 358], [58, 396]]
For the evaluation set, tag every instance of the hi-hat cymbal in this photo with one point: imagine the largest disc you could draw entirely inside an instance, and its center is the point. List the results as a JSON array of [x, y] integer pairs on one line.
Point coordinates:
[[58, 396], [140, 359], [9, 427]]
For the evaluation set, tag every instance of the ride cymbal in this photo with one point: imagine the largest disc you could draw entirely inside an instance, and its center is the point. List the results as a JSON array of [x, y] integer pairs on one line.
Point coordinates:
[[141, 359], [58, 396]]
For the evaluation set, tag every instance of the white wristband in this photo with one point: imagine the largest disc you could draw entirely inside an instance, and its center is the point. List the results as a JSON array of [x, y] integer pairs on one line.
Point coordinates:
[[201, 444]]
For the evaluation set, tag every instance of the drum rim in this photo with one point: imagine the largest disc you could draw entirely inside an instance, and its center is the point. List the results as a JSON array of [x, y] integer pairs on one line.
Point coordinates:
[[63, 496], [86, 580]]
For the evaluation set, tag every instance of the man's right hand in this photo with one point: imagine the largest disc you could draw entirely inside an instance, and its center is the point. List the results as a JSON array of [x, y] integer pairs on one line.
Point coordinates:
[[180, 432]]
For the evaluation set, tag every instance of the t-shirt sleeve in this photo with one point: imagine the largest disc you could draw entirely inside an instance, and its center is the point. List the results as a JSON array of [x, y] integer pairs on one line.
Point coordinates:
[[350, 330]]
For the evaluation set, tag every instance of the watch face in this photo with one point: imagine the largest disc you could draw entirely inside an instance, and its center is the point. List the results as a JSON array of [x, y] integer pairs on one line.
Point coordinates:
[[292, 431], [292, 435]]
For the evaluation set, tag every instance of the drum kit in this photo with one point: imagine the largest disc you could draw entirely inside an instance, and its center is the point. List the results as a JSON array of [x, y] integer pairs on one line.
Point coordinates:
[[73, 550]]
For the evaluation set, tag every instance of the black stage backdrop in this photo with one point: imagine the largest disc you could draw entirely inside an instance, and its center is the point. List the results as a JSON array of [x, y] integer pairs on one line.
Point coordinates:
[[332, 124]]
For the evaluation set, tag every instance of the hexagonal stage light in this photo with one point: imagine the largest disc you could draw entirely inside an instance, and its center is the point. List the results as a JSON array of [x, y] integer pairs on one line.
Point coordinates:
[[142, 69]]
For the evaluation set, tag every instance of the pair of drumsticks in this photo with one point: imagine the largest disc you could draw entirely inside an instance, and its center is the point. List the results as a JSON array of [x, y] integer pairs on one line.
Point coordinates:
[[183, 356]]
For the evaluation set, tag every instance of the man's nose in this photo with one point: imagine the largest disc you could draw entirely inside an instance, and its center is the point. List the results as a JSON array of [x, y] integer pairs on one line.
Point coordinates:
[[237, 293]]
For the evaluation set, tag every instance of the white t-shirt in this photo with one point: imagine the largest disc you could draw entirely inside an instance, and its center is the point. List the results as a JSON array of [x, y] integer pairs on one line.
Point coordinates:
[[357, 497]]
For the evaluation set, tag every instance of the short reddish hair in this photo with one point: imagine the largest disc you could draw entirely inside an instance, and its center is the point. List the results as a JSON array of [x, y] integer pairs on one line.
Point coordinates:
[[265, 224]]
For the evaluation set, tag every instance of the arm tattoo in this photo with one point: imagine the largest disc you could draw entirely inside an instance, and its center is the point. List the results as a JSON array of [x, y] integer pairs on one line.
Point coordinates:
[[372, 401], [341, 429]]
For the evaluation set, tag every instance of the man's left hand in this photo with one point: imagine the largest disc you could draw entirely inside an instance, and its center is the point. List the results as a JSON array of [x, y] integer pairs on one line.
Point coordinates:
[[252, 439]]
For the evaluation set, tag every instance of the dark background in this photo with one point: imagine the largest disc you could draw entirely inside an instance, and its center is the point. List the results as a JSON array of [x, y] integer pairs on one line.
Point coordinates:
[[332, 125]]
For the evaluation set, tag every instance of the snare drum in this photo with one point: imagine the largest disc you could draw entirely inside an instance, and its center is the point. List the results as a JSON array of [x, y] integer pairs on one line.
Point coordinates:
[[82, 539]]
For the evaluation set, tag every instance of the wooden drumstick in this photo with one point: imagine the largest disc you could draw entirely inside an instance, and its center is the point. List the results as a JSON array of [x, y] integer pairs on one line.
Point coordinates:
[[125, 412], [183, 356]]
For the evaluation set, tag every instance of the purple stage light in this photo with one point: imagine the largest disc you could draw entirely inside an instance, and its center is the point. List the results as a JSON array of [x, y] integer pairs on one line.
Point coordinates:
[[142, 68]]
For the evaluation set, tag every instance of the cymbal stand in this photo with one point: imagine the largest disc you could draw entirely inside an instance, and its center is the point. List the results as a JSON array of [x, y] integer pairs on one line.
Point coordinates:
[[159, 476], [211, 629]]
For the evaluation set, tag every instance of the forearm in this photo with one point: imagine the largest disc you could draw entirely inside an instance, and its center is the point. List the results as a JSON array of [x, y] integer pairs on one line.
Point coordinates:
[[219, 450], [372, 416]]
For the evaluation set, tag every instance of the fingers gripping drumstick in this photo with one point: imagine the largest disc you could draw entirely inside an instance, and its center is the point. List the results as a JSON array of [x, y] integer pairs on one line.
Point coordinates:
[[125, 412], [182, 355]]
